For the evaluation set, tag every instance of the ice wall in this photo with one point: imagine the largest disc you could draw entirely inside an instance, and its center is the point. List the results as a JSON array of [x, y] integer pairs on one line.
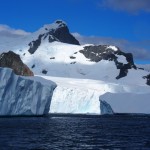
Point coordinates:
[[23, 96], [79, 100], [75, 100]]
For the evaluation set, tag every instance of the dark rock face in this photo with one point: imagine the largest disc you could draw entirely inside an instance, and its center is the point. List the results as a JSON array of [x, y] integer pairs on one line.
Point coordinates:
[[33, 66], [123, 73], [52, 57], [63, 35], [13, 61], [73, 62], [44, 71], [72, 57], [148, 79], [104, 52], [60, 34], [140, 68], [97, 53], [35, 44]]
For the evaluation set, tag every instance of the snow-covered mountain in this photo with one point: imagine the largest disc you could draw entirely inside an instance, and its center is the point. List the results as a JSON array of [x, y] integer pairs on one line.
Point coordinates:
[[83, 73], [45, 52]]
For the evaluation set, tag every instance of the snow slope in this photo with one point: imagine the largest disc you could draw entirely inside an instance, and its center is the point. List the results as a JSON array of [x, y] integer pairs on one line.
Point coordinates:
[[24, 96], [65, 60]]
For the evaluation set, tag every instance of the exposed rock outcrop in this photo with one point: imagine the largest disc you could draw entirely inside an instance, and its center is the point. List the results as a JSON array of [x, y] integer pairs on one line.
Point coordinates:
[[35, 44], [111, 53], [13, 61], [63, 34], [148, 79]]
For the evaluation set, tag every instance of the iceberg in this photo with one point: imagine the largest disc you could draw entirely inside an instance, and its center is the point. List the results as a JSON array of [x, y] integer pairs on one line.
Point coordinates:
[[24, 95], [125, 103]]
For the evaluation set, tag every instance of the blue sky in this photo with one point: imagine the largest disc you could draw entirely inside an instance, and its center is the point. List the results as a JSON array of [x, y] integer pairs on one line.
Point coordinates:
[[124, 22]]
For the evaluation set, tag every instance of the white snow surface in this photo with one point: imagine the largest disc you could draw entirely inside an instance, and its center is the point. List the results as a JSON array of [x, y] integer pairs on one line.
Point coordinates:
[[24, 96], [112, 47]]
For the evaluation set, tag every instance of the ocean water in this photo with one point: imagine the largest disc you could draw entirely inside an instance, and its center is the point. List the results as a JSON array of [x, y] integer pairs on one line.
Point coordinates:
[[67, 132]]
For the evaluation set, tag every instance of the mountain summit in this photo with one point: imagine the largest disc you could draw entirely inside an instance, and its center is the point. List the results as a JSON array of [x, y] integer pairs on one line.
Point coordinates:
[[57, 31]]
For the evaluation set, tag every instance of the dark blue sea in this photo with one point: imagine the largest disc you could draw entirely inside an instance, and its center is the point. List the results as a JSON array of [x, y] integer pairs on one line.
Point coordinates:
[[77, 132]]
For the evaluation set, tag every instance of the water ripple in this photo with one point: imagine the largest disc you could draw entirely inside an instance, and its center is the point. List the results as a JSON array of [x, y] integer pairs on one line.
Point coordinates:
[[75, 133]]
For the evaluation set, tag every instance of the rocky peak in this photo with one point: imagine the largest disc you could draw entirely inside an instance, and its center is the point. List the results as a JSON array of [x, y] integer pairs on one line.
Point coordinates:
[[57, 31], [52, 27], [61, 23], [13, 61]]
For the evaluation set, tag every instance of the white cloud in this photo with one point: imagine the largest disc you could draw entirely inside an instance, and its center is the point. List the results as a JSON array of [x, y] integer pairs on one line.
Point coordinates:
[[140, 50], [5, 30], [131, 6]]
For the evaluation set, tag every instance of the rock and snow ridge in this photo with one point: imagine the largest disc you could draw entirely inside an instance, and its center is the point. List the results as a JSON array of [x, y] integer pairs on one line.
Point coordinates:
[[24, 95], [82, 75], [123, 61], [66, 60]]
